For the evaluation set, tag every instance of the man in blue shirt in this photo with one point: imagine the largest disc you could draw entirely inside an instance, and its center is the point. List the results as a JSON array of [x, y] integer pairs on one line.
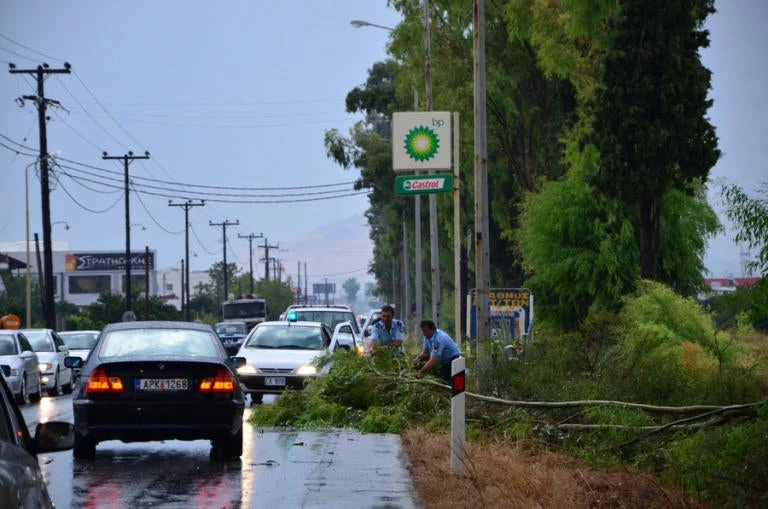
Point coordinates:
[[439, 348], [387, 331]]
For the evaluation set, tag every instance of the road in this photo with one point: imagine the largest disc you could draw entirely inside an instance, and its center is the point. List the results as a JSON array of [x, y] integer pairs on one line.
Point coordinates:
[[278, 469]]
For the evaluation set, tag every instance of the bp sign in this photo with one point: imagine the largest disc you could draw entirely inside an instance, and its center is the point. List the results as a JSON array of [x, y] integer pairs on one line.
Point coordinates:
[[423, 184], [421, 141]]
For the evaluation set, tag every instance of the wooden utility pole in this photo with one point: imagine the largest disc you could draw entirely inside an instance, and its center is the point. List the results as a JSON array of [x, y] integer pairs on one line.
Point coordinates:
[[250, 251], [49, 305], [224, 249], [482, 257], [185, 274], [127, 159]]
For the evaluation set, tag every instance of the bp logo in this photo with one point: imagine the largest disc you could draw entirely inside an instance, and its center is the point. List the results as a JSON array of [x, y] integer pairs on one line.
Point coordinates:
[[421, 143]]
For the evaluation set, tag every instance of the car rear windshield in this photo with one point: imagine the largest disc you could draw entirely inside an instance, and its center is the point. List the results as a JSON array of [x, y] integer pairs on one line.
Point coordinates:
[[159, 342], [288, 337], [330, 318], [79, 340], [39, 341], [231, 328]]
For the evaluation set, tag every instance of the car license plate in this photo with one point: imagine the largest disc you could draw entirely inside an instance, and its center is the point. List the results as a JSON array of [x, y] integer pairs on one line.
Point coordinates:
[[162, 384], [274, 380]]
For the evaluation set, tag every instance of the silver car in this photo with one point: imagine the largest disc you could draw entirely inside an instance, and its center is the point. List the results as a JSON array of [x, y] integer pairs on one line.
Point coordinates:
[[19, 364], [51, 350], [80, 343]]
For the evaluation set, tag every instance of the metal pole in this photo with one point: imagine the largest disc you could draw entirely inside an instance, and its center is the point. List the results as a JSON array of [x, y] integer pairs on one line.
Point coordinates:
[[482, 257], [406, 310]]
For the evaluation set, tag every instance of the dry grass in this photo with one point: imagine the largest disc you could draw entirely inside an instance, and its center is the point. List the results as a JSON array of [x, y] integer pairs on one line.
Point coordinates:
[[503, 476]]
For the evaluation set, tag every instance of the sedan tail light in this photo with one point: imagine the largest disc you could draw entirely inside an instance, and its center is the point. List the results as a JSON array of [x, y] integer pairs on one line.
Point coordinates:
[[100, 382], [223, 382]]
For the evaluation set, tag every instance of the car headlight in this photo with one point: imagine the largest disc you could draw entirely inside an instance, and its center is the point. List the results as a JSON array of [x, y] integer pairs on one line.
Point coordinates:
[[307, 369], [45, 366], [246, 370]]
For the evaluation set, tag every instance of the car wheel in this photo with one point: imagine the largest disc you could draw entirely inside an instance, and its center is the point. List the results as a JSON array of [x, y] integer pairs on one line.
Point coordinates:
[[56, 390], [227, 447], [84, 449], [35, 396], [22, 398]]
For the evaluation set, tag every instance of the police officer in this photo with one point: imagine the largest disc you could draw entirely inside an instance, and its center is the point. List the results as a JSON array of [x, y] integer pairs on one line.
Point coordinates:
[[387, 331], [439, 348]]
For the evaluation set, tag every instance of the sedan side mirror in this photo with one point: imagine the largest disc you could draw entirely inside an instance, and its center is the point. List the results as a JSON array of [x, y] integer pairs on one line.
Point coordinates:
[[73, 362], [238, 362]]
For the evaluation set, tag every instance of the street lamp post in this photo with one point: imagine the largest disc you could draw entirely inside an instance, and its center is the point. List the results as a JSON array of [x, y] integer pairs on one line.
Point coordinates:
[[28, 277]]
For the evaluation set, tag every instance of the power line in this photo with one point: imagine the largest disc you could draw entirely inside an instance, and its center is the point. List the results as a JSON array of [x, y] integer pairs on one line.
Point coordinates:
[[66, 191], [31, 49]]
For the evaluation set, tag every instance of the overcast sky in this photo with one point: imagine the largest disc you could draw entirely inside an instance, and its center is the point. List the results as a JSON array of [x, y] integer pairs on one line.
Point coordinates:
[[238, 94]]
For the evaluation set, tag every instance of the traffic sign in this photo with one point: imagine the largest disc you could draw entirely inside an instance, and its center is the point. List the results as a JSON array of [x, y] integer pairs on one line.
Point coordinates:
[[423, 184]]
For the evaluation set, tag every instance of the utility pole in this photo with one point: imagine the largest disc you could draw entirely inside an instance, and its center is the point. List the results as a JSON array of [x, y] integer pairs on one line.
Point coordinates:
[[224, 248], [482, 253], [433, 233], [185, 276], [250, 250], [127, 159], [49, 306], [266, 247]]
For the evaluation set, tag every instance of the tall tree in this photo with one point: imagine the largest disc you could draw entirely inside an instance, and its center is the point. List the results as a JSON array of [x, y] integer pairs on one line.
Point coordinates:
[[650, 122], [751, 216], [351, 287]]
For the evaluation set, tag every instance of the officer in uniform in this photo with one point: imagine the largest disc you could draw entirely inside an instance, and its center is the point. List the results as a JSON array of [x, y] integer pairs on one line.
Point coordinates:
[[388, 332], [439, 348]]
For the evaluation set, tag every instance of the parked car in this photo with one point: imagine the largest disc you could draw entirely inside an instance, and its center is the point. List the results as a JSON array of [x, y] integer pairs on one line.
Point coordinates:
[[21, 479], [331, 315], [146, 381], [80, 343], [55, 377], [231, 335], [19, 364], [280, 355]]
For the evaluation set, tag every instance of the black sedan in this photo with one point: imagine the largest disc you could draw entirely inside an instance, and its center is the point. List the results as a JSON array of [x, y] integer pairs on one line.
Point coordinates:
[[146, 381], [21, 480]]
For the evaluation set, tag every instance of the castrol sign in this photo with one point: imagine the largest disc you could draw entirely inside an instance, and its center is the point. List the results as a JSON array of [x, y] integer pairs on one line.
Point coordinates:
[[423, 184]]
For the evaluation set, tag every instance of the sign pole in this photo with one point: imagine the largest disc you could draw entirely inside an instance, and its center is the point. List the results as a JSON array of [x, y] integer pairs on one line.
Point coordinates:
[[456, 231], [458, 404]]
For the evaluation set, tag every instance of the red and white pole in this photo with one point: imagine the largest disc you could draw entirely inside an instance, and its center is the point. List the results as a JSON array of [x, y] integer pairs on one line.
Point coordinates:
[[458, 404]]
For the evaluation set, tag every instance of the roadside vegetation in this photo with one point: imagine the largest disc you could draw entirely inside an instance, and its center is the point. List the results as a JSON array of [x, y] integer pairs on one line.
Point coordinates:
[[650, 406]]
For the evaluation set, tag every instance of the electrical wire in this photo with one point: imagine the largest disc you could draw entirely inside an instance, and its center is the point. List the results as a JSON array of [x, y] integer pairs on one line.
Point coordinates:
[[30, 49], [89, 142], [199, 243], [144, 206], [66, 191], [184, 185]]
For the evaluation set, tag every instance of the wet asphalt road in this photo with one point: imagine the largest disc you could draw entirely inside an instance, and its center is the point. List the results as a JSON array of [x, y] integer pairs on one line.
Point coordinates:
[[278, 469]]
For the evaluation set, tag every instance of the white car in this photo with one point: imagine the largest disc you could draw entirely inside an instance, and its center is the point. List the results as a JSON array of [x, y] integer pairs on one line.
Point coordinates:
[[331, 315], [51, 350], [19, 365], [279, 354]]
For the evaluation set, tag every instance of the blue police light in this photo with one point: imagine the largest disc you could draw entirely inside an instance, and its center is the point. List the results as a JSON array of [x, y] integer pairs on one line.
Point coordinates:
[[292, 317]]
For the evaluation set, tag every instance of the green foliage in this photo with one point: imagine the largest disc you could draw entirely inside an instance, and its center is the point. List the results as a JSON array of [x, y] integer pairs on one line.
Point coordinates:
[[14, 299], [751, 217], [351, 286], [724, 467], [651, 124], [277, 294], [751, 300]]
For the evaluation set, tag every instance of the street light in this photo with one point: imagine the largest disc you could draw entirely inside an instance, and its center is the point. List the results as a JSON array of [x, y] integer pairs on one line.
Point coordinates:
[[357, 23], [143, 228], [66, 224]]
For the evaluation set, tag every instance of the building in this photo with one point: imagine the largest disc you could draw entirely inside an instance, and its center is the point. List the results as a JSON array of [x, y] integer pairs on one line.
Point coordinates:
[[81, 276]]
